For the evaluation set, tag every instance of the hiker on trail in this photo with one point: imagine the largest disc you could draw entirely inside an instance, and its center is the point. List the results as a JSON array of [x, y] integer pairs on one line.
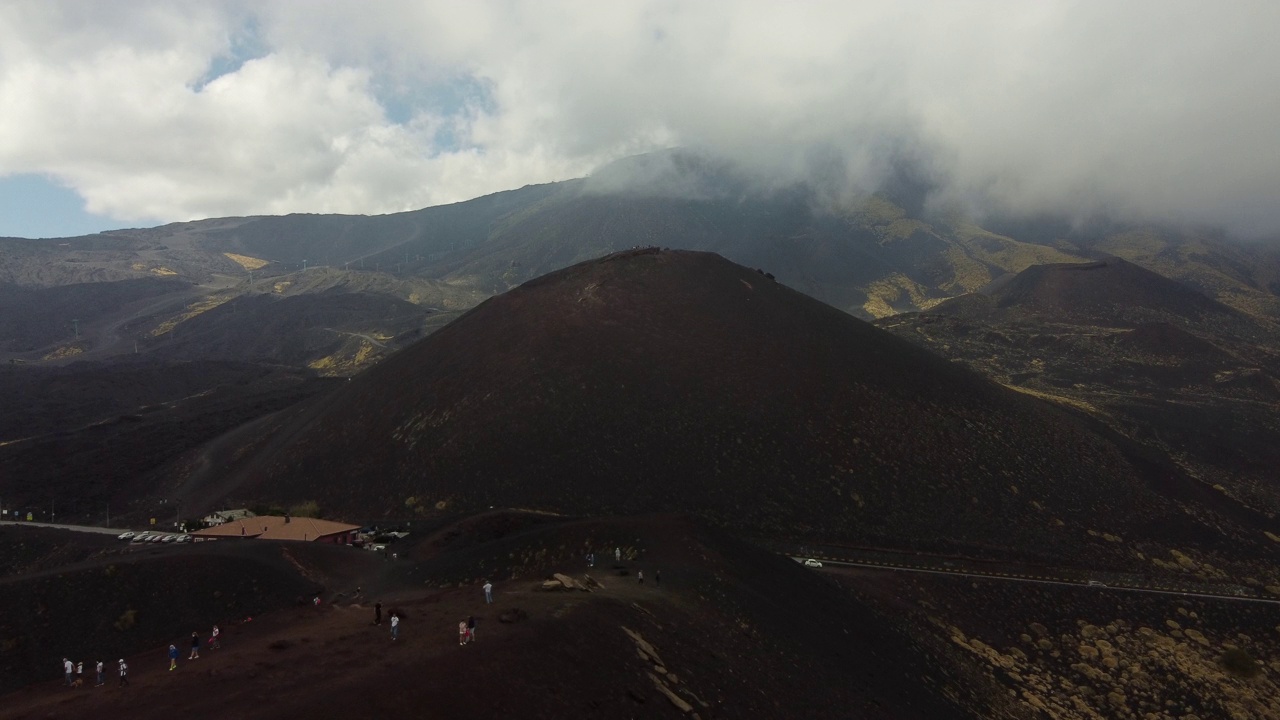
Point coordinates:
[[395, 626], [99, 669], [462, 632], [488, 592], [591, 559], [67, 669], [195, 646], [79, 674], [471, 628], [173, 657], [617, 554], [377, 613], [124, 673], [657, 578], [640, 576], [215, 639]]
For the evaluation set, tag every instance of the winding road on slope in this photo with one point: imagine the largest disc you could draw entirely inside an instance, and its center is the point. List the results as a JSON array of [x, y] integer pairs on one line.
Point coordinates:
[[1034, 579]]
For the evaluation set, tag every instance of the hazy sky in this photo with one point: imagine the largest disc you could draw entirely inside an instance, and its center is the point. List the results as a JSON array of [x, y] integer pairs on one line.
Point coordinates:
[[142, 112]]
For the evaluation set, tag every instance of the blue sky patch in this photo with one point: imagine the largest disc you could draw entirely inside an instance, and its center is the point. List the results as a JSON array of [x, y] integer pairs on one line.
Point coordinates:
[[34, 206]]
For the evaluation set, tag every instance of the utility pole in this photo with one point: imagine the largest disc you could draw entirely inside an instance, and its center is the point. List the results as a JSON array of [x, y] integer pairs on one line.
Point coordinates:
[[75, 323], [304, 264]]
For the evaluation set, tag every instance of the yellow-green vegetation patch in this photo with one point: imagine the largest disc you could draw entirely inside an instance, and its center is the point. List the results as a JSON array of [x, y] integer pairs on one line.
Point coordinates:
[[153, 269], [896, 293], [200, 306], [968, 275], [245, 261], [1006, 253], [64, 351], [343, 363], [901, 229], [1060, 399], [1116, 670]]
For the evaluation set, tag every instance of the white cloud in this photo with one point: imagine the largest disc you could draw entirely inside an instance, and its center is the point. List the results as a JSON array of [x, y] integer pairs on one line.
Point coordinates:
[[1152, 109]]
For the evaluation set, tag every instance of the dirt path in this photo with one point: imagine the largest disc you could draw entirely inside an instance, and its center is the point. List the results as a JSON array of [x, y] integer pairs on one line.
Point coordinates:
[[268, 664]]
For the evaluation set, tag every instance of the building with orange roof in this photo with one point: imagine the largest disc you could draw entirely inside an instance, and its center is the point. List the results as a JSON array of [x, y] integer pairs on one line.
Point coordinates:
[[275, 527]]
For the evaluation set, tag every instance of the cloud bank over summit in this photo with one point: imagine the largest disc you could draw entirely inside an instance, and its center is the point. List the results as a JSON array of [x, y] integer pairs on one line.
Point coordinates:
[[180, 110]]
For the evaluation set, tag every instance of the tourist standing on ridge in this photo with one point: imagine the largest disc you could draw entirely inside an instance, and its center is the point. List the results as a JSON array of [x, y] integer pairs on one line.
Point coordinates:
[[99, 669], [471, 628], [462, 632], [79, 674], [377, 613], [215, 641], [68, 668], [488, 592], [395, 626], [195, 646], [640, 576], [124, 673], [617, 554], [173, 657]]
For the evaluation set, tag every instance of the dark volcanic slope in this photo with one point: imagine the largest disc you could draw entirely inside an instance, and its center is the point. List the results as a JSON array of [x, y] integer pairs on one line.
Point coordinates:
[[92, 438], [675, 380], [1111, 291]]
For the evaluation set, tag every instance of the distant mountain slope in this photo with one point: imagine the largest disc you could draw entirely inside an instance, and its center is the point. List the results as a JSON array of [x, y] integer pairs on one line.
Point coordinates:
[[1153, 358], [653, 381], [1109, 291], [88, 440], [870, 256]]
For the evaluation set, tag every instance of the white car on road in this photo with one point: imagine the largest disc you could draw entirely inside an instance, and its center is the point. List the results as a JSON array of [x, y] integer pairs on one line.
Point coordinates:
[[125, 536], [810, 562]]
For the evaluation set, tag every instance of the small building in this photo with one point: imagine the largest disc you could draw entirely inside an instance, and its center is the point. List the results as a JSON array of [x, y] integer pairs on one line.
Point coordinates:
[[223, 516], [274, 527]]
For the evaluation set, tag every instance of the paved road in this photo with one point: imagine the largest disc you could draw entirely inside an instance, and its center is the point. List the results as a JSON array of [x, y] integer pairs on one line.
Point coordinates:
[[78, 528], [359, 335], [1040, 580]]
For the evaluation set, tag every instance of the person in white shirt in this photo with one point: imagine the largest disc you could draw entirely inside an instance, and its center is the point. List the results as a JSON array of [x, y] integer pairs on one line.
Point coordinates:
[[488, 591], [124, 673], [68, 668], [395, 626]]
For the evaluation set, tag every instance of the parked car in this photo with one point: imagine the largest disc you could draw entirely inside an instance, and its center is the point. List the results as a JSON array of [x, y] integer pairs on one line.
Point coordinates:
[[168, 538], [812, 563], [125, 536], [183, 538], [141, 537], [158, 537]]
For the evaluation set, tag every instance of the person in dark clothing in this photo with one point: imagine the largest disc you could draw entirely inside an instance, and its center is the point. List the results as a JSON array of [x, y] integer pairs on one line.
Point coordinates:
[[124, 673], [195, 646], [377, 613], [471, 628], [640, 576]]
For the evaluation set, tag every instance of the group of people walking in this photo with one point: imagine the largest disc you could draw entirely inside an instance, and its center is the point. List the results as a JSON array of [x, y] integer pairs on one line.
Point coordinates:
[[466, 628], [215, 642], [74, 673]]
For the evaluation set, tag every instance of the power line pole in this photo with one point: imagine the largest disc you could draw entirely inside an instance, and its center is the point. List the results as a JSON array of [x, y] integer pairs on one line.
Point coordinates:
[[75, 323]]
